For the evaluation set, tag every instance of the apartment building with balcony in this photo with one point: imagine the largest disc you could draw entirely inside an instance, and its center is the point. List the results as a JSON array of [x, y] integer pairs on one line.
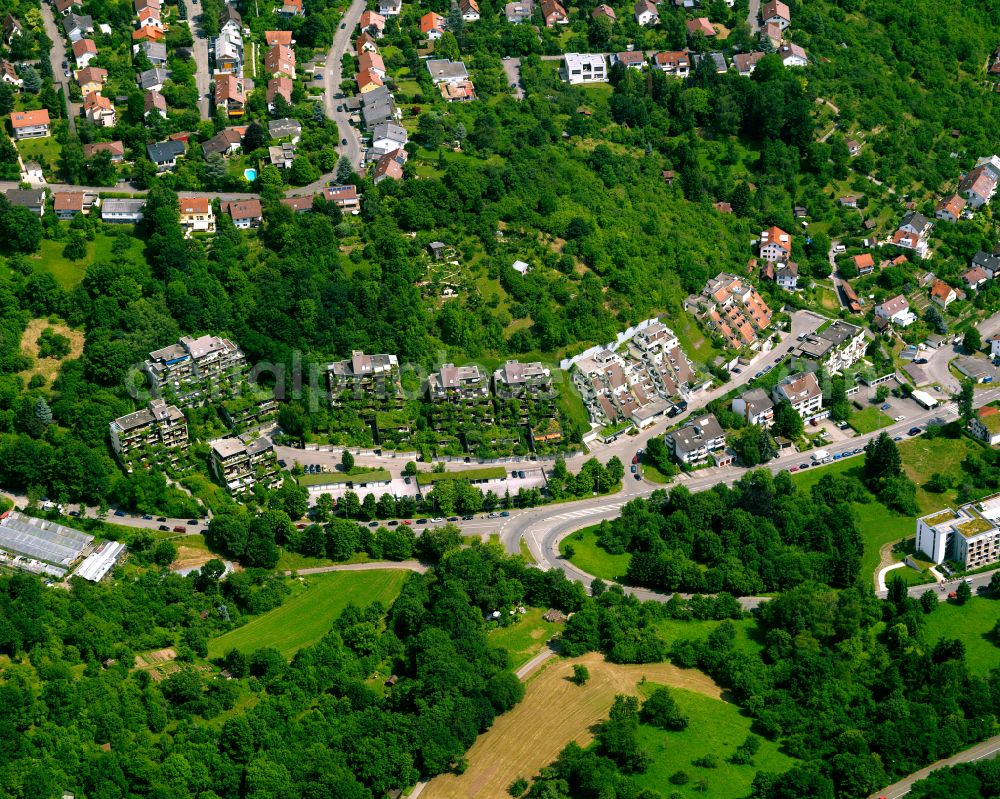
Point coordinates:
[[193, 369], [516, 380], [969, 535], [837, 346], [372, 380], [251, 407], [242, 462], [156, 434]]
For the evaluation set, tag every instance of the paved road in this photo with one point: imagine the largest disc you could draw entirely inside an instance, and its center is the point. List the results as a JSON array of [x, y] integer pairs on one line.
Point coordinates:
[[512, 68], [936, 367], [333, 75], [202, 75], [130, 189], [56, 56], [753, 16], [834, 277], [987, 750]]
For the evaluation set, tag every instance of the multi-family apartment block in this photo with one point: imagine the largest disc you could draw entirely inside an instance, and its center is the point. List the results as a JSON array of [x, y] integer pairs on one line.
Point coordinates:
[[516, 380], [969, 536], [731, 307], [370, 379], [244, 461], [458, 384], [252, 407], [802, 391], [693, 443], [837, 347], [191, 370], [155, 434]]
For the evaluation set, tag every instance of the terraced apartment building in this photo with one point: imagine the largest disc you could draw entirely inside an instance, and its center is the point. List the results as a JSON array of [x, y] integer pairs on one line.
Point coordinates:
[[244, 461], [371, 380], [968, 536], [156, 434], [196, 369]]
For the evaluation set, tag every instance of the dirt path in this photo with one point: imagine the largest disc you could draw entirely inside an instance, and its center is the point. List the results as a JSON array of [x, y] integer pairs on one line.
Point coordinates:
[[553, 712]]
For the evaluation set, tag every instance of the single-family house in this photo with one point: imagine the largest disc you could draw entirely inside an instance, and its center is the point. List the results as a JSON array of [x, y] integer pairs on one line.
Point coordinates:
[[8, 74], [77, 26], [985, 425], [345, 197], [950, 208], [604, 10], [444, 70], [126, 212], [631, 59], [197, 215], [864, 263], [30, 124], [153, 79], [148, 33], [520, 11], [896, 310], [943, 294], [775, 244], [68, 204], [792, 55], [746, 63], [285, 128], [432, 25], [372, 23], [773, 34], [755, 407], [700, 25], [279, 86], [469, 10], [365, 43], [291, 8], [372, 62], [272, 38], [64, 7], [99, 110], [367, 81], [974, 277], [853, 147], [553, 13], [154, 103], [912, 233], [390, 8], [646, 13], [298, 204], [457, 91], [84, 51], [226, 142], [378, 106], [115, 149], [91, 79], [388, 136], [390, 166], [988, 263], [849, 200], [777, 12], [164, 154], [675, 63], [281, 155], [32, 199], [229, 94], [585, 68], [244, 213], [786, 275], [280, 60], [230, 20], [149, 17], [978, 186]]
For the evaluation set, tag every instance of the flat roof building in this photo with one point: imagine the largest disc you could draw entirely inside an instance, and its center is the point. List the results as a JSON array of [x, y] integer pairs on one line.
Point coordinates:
[[193, 368], [969, 536]]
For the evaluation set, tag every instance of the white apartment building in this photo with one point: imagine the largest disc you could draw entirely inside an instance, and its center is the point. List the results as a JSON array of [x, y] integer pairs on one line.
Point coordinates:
[[969, 536], [802, 392], [585, 68]]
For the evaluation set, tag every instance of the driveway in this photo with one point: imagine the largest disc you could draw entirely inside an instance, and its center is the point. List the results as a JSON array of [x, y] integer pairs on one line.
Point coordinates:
[[753, 16], [56, 56], [334, 74], [202, 75], [512, 69]]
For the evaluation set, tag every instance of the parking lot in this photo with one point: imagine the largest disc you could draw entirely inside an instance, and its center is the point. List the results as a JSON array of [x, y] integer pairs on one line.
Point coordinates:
[[407, 486]]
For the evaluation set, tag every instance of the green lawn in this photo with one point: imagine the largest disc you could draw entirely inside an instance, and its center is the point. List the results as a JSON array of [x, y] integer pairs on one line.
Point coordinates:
[[922, 457], [69, 273], [306, 617], [715, 728], [44, 150], [591, 558], [693, 340], [485, 473], [525, 638], [869, 420], [571, 403], [972, 624], [747, 632], [331, 478]]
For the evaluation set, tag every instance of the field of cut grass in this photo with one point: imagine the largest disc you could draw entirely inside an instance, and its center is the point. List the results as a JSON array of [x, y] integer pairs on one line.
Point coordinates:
[[715, 728], [590, 557], [306, 616], [923, 456], [524, 639], [972, 624], [554, 712], [869, 420], [69, 273]]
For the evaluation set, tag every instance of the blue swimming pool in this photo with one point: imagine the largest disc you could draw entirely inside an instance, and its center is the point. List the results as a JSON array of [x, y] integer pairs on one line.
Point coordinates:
[[250, 174]]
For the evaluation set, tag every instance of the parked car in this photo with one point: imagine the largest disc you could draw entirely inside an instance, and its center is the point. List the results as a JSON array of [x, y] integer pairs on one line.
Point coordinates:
[[915, 431], [885, 407], [437, 520], [373, 524], [520, 474], [638, 476], [392, 523], [633, 468], [803, 465], [300, 527], [493, 515], [635, 459], [180, 529], [161, 518], [148, 518], [505, 513], [898, 418], [163, 528], [119, 513], [343, 142], [193, 522], [468, 518], [421, 521], [920, 361], [794, 469], [452, 518], [74, 513], [282, 464]]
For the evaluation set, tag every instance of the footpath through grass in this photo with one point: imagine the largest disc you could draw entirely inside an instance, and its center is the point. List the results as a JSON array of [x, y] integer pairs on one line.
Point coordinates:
[[972, 624], [715, 728], [306, 616], [525, 638], [593, 559]]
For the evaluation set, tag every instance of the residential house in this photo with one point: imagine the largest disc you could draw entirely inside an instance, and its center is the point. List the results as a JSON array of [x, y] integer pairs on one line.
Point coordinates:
[[943, 294], [164, 154], [32, 199], [458, 385], [390, 166], [229, 52], [365, 43], [378, 106], [516, 380], [148, 33], [837, 346], [91, 79], [388, 136], [978, 186], [11, 28], [279, 86], [244, 213], [282, 156], [732, 308], [631, 59], [912, 233], [67, 204], [716, 59], [849, 200], [229, 94], [99, 111], [84, 51], [197, 215], [64, 7], [988, 263], [786, 275], [646, 13], [272, 38], [115, 148], [156, 434], [285, 128], [32, 173], [245, 461], [604, 10], [985, 425], [950, 208], [372, 62], [149, 17], [344, 197], [675, 63], [154, 103], [773, 34], [444, 70], [77, 26], [994, 341], [432, 25], [30, 124], [792, 55], [127, 212], [802, 392], [692, 444], [520, 11], [371, 379], [700, 25], [585, 68], [291, 8], [897, 311], [457, 91], [975, 277], [969, 536], [372, 23], [553, 13], [746, 63], [850, 297], [280, 60], [755, 407], [226, 142], [367, 81], [864, 263], [469, 9], [153, 79], [775, 245], [777, 12], [230, 20], [298, 204], [390, 8], [8, 74]]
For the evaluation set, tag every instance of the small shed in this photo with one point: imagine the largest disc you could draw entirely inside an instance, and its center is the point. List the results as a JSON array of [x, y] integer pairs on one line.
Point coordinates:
[[521, 266]]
